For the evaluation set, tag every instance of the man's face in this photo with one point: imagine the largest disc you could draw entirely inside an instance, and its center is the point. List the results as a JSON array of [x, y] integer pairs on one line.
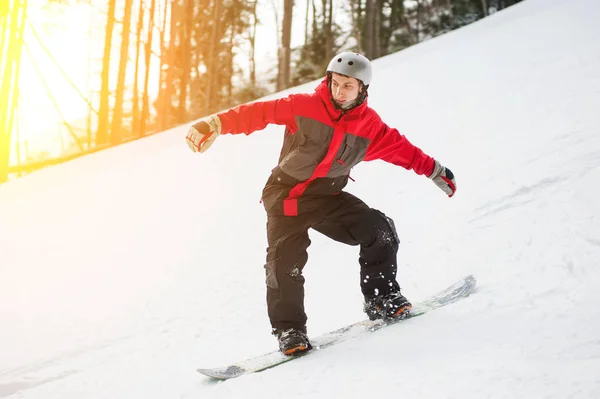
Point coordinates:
[[344, 89]]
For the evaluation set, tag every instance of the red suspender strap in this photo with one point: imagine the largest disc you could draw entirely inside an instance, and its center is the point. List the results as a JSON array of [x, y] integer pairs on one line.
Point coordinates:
[[290, 204]]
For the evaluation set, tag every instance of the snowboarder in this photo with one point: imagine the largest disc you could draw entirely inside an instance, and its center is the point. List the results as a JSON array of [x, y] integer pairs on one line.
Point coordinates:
[[327, 133]]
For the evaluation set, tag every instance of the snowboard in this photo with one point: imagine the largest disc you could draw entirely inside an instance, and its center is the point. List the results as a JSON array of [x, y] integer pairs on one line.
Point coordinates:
[[456, 291]]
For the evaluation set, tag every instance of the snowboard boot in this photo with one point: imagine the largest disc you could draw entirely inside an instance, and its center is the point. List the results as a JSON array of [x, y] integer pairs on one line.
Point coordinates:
[[390, 306], [292, 341]]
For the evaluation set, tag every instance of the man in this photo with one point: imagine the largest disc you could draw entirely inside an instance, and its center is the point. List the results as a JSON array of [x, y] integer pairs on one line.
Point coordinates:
[[327, 133]]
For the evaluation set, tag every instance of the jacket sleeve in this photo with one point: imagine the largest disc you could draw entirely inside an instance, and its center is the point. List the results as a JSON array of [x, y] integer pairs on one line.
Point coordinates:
[[391, 146], [248, 118]]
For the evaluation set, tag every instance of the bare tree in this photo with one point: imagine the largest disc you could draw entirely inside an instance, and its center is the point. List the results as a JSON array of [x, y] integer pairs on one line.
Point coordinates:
[[286, 36], [164, 62], [147, 54], [12, 21], [232, 33], [378, 51], [136, 83], [369, 29], [485, 8], [329, 28], [186, 57], [103, 112], [253, 45], [306, 22], [212, 59], [117, 122], [418, 29], [279, 46]]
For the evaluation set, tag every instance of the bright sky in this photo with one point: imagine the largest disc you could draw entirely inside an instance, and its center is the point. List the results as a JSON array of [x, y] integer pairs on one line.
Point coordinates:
[[65, 33], [124, 271]]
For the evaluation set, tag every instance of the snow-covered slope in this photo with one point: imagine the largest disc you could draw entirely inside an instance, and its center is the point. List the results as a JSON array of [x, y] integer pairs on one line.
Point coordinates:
[[122, 272]]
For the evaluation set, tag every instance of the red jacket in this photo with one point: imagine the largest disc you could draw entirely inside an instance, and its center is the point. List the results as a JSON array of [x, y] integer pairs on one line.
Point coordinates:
[[322, 143]]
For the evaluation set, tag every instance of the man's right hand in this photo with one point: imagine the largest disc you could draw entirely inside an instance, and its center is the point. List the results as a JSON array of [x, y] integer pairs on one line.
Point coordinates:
[[202, 134], [444, 179]]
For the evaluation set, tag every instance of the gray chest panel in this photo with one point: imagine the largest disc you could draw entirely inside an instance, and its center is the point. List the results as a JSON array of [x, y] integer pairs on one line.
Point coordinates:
[[307, 147]]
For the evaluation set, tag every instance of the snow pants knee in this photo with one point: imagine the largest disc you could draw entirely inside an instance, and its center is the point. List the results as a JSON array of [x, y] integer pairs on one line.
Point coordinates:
[[345, 219]]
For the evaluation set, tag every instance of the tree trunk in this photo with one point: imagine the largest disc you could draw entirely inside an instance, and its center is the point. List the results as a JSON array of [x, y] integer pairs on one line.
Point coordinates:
[[369, 29], [116, 134], [6, 17], [306, 23], [361, 17], [103, 112], [4, 25], [329, 29], [355, 14], [167, 93], [377, 50], [315, 26], [13, 21], [286, 36], [186, 62], [279, 49], [147, 54], [418, 29], [164, 61], [253, 46], [484, 5], [212, 59], [136, 86], [409, 29], [17, 68], [230, 60]]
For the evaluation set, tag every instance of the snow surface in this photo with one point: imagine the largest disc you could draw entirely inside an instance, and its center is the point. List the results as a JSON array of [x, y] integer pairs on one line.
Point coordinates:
[[124, 271]]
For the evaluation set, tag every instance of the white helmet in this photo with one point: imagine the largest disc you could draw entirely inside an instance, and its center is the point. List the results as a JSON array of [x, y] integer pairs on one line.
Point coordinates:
[[352, 64]]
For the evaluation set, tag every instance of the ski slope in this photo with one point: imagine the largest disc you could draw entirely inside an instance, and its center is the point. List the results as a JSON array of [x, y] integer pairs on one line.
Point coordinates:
[[124, 271]]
